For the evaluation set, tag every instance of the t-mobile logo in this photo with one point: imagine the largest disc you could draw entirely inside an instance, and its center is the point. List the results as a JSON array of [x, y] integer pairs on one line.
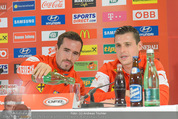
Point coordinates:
[[114, 16], [110, 16]]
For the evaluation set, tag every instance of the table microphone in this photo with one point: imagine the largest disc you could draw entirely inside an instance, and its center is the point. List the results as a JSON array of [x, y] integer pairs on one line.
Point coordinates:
[[1, 70], [92, 102]]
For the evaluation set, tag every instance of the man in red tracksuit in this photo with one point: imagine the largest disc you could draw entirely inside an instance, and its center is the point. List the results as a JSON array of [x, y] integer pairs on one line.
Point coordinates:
[[68, 50], [128, 44]]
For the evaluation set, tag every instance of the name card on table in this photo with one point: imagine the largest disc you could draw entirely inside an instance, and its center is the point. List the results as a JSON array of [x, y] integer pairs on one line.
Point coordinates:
[[42, 101]]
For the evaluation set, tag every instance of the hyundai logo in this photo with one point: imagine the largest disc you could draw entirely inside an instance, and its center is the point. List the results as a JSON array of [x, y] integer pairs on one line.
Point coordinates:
[[25, 50], [53, 18], [146, 29]]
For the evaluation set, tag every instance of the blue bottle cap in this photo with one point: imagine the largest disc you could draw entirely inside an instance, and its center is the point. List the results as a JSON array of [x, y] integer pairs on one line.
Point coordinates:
[[135, 56]]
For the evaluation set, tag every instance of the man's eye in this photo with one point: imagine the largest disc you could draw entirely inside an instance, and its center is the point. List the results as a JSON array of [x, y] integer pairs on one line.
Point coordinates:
[[118, 45], [128, 44], [75, 53], [66, 50]]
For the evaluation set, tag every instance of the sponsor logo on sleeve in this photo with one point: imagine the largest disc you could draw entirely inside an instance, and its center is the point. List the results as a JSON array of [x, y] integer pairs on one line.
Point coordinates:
[[89, 50], [52, 4], [114, 16], [24, 21], [19, 37], [83, 3], [40, 87], [150, 14], [147, 30], [3, 23], [23, 5], [87, 81], [86, 66], [3, 37], [109, 49], [113, 2], [53, 19], [144, 1], [3, 7], [3, 53], [109, 32], [83, 18], [48, 51], [25, 69], [150, 45], [51, 35], [5, 68], [24, 52]]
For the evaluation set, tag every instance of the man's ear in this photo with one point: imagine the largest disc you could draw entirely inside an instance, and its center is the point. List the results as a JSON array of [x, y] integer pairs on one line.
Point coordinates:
[[140, 44], [56, 48]]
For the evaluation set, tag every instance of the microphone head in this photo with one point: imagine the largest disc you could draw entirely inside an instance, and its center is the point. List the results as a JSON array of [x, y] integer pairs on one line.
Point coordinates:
[[1, 70]]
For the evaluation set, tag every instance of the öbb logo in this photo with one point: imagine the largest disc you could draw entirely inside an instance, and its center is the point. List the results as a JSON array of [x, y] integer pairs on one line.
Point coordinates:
[[145, 14]]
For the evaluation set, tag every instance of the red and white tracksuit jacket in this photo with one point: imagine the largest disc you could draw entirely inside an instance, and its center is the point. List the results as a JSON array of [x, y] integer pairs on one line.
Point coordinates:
[[107, 73], [24, 71]]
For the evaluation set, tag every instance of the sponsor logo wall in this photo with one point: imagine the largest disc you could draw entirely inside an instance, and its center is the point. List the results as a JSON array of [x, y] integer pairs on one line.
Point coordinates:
[[3, 7], [83, 3], [52, 4], [3, 22], [30, 27], [24, 6]]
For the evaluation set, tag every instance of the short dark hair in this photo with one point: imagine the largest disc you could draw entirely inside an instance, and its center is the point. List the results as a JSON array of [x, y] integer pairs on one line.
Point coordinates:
[[127, 29], [70, 35]]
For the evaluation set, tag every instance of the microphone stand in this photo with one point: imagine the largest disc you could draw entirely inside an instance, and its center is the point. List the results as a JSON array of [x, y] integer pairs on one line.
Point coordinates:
[[92, 101]]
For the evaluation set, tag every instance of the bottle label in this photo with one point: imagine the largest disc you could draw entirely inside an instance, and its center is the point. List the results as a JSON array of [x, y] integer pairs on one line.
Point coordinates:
[[151, 94], [135, 70], [135, 93], [47, 78]]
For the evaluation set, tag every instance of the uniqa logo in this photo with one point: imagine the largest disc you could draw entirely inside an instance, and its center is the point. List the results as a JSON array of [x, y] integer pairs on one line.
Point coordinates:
[[53, 18], [55, 101], [25, 50], [145, 29]]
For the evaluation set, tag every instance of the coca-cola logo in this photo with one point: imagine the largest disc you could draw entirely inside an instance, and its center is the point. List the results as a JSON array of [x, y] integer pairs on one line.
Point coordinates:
[[52, 4]]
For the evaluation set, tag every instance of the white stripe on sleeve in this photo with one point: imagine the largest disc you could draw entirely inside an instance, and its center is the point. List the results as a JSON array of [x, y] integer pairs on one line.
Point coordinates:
[[163, 78], [101, 79]]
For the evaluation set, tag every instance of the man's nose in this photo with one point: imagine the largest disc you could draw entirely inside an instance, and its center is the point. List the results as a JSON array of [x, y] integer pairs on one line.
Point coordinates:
[[69, 56], [123, 49]]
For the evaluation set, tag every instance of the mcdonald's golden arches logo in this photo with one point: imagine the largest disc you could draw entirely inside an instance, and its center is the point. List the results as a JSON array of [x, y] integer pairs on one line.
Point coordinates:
[[87, 33], [84, 33]]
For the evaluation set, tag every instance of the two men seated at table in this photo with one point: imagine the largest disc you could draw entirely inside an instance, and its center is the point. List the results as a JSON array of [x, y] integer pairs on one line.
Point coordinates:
[[68, 48]]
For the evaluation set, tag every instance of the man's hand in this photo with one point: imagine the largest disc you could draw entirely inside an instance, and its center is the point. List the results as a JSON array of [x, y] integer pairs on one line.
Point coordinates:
[[41, 69], [127, 93]]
